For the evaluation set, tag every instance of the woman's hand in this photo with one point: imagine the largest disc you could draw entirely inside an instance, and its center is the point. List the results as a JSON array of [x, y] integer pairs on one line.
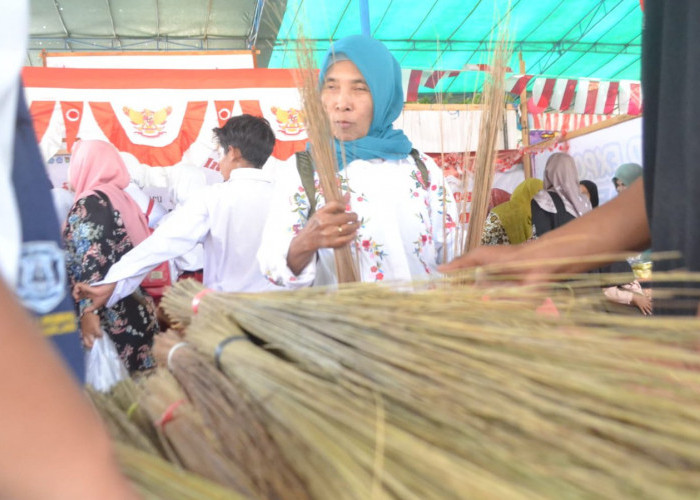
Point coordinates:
[[643, 303], [330, 227], [89, 328]]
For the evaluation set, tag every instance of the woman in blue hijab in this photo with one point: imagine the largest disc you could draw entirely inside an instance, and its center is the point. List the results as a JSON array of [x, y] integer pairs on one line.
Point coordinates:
[[399, 221]]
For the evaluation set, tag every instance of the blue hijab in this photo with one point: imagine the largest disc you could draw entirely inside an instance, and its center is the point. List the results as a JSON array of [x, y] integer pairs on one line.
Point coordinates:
[[383, 75]]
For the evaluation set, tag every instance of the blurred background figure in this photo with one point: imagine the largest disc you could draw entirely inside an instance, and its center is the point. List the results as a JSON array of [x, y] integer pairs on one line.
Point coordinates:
[[629, 294], [625, 175], [590, 190], [510, 223], [560, 201]]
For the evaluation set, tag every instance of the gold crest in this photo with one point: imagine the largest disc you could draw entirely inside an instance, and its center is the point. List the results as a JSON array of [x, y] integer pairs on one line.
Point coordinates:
[[290, 121], [148, 123]]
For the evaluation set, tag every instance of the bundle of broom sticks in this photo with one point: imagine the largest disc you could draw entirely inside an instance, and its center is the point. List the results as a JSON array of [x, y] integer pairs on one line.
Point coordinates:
[[436, 391]]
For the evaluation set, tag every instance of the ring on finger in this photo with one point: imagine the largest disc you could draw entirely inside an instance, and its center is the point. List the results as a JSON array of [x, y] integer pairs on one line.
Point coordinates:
[[340, 229]]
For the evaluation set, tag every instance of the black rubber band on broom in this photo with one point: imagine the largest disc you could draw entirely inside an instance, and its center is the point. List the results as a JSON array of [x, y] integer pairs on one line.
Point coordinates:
[[220, 348]]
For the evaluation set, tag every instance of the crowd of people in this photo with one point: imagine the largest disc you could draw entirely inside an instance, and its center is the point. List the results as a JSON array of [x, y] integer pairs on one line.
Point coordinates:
[[260, 233]]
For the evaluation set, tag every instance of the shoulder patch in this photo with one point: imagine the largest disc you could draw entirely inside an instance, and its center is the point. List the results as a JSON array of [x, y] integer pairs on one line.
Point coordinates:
[[42, 276]]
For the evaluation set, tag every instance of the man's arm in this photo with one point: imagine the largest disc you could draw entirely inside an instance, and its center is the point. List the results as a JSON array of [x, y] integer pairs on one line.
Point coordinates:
[[619, 225], [185, 227]]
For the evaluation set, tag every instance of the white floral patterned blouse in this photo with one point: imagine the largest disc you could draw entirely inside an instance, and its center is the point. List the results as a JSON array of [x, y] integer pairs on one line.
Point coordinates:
[[405, 231]]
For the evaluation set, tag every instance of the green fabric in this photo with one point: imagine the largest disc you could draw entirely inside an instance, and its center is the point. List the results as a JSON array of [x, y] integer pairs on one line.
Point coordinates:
[[628, 173], [558, 38], [515, 215]]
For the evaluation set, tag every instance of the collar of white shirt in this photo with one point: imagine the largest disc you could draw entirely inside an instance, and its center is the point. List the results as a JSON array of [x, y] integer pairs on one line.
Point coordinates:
[[249, 173]]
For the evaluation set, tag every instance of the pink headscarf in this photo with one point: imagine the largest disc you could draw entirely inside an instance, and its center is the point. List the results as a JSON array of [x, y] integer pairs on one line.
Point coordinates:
[[498, 196], [97, 166]]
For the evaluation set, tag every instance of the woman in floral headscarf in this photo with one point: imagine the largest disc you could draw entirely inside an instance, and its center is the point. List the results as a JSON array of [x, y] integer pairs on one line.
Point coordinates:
[[103, 225], [399, 223], [561, 200]]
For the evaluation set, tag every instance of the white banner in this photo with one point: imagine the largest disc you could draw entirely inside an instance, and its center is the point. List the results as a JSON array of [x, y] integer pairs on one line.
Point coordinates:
[[599, 153]]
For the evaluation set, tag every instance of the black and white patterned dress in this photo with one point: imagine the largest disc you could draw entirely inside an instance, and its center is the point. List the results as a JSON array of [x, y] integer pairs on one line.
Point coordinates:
[[95, 238]]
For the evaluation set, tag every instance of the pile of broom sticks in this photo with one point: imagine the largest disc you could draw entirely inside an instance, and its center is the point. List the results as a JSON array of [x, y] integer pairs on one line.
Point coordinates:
[[433, 391]]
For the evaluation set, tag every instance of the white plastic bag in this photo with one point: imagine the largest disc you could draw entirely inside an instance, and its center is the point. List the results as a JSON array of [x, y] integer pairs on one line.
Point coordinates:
[[103, 367]]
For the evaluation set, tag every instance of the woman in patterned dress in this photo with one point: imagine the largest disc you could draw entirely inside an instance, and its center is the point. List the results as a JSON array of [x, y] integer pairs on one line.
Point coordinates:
[[103, 224]]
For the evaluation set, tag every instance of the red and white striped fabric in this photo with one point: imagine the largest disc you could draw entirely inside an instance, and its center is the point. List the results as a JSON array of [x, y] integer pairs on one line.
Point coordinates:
[[415, 78], [564, 121], [582, 96]]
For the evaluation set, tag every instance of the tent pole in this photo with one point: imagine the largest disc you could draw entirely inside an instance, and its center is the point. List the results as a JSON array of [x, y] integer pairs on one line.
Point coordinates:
[[527, 166], [364, 17]]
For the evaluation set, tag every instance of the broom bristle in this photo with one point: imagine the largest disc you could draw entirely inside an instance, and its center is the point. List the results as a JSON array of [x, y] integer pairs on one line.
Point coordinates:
[[323, 152], [490, 125], [470, 382]]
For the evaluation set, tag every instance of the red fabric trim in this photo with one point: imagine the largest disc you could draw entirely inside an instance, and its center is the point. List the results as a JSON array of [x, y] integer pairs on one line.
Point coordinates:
[[251, 108], [592, 98], [41, 112], [635, 105], [80, 78], [547, 92], [413, 84], [197, 299], [433, 79], [569, 93], [521, 84], [613, 91], [72, 116], [224, 111], [151, 155], [537, 125], [284, 149]]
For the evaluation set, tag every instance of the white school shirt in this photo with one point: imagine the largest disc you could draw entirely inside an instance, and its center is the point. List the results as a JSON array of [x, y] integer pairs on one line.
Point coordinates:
[[404, 227], [14, 25], [226, 218]]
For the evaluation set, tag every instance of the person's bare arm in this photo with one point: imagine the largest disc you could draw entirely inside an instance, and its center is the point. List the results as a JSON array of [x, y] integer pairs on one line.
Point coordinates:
[[330, 227], [619, 225], [98, 294], [53, 445]]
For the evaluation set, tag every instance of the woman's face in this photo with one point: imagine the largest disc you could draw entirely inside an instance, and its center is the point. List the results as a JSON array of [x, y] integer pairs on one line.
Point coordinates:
[[347, 101], [584, 191], [619, 186]]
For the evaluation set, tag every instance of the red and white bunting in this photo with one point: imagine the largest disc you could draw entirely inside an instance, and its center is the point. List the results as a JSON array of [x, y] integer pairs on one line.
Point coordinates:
[[564, 121], [581, 96], [415, 78]]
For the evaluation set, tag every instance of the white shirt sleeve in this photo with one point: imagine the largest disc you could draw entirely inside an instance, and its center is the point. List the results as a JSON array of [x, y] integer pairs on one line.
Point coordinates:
[[288, 215], [186, 226]]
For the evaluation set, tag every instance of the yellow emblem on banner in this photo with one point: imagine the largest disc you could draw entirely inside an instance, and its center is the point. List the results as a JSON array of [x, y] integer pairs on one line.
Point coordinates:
[[148, 123], [58, 323], [291, 121]]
